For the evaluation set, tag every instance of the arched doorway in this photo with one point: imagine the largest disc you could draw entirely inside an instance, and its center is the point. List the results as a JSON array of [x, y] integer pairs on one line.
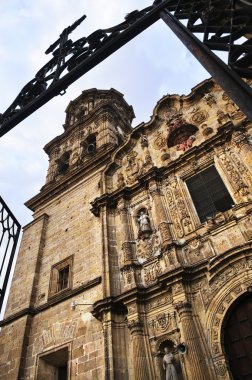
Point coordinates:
[[238, 339]]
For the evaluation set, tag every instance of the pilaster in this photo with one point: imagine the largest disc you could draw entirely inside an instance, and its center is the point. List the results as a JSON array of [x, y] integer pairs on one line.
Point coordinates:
[[195, 364]]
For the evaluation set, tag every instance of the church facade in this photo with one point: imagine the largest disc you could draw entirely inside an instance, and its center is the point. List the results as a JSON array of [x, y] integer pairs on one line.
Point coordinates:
[[140, 245]]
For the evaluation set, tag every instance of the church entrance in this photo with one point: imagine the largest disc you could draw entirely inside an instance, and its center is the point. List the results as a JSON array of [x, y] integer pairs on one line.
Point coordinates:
[[238, 339]]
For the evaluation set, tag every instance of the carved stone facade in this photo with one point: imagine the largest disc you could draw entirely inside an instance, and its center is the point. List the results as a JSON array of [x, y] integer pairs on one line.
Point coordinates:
[[117, 225]]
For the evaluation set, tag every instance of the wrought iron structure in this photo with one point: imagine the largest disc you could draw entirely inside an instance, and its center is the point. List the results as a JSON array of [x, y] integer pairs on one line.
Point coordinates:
[[9, 233], [226, 25]]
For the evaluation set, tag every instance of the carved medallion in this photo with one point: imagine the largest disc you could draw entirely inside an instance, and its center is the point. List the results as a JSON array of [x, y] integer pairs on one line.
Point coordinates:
[[199, 117], [160, 141]]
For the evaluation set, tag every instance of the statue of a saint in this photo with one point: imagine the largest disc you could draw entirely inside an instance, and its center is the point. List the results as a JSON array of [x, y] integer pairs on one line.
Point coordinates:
[[170, 370], [144, 222]]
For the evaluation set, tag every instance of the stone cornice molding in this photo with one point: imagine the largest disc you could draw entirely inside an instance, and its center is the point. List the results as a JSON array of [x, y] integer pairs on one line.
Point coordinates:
[[58, 298]]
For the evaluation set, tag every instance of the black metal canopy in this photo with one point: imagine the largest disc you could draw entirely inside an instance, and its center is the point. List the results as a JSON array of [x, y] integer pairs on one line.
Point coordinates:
[[223, 25]]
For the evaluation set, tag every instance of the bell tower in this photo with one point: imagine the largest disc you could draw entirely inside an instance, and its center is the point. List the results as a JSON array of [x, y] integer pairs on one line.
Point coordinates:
[[97, 121], [60, 261]]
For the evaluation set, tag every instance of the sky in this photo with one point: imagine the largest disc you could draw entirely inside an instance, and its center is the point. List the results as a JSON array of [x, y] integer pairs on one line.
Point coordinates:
[[152, 65]]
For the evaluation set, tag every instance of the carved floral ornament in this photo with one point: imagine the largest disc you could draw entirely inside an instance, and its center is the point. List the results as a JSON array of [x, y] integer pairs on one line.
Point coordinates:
[[163, 322]]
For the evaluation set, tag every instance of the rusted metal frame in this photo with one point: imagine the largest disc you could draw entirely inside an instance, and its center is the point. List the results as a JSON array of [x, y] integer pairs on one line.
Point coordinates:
[[105, 51], [13, 230], [234, 86]]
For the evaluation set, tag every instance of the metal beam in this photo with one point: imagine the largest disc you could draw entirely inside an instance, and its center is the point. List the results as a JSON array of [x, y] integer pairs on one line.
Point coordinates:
[[101, 53], [234, 86]]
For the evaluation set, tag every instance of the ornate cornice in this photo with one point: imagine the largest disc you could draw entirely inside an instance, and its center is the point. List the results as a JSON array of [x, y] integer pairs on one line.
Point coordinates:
[[158, 174]]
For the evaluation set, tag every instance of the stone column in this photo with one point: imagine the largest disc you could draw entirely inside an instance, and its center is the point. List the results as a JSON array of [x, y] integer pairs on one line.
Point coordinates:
[[160, 215], [127, 245], [141, 364], [195, 364]]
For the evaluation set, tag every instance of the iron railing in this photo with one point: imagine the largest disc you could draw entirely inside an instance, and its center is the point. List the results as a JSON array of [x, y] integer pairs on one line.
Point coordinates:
[[9, 233]]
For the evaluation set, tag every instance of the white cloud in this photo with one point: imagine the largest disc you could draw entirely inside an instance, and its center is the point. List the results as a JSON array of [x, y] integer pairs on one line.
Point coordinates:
[[151, 65]]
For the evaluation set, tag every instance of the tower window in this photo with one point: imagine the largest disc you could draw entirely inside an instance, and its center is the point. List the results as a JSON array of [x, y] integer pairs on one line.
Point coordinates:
[[63, 163], [61, 276], [89, 145], [209, 194]]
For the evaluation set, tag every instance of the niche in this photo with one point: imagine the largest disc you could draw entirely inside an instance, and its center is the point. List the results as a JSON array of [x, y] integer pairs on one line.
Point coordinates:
[[89, 145], [182, 137], [143, 222]]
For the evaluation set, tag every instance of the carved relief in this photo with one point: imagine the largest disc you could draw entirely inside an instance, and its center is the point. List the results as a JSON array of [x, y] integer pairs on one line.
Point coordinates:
[[170, 257], [160, 141], [151, 272], [174, 116], [148, 163], [222, 117], [233, 175], [148, 248], [192, 251], [159, 301], [243, 170], [174, 213], [210, 99], [161, 323], [199, 117], [132, 168], [128, 276], [240, 138], [127, 248], [178, 209], [164, 228], [221, 368]]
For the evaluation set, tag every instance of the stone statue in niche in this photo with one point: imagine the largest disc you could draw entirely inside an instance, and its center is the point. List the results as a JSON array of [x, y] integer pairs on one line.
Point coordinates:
[[168, 365], [144, 224]]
